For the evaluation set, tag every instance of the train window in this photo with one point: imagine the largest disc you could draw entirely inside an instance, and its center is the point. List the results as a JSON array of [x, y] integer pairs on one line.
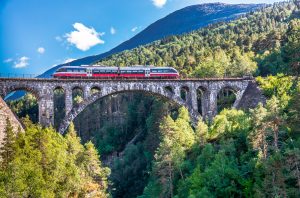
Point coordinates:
[[82, 70], [61, 70], [69, 70], [96, 71]]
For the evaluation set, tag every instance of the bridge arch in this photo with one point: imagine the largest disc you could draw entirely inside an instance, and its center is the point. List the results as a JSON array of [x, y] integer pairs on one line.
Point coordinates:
[[34, 91], [95, 89], [94, 97], [184, 92], [30, 97], [170, 89], [233, 92]]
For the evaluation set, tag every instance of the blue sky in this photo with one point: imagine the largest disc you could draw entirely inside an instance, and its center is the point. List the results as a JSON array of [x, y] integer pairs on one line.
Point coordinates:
[[38, 34]]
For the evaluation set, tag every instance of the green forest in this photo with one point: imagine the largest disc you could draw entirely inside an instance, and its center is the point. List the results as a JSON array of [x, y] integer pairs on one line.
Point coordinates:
[[42, 163], [137, 145], [258, 43]]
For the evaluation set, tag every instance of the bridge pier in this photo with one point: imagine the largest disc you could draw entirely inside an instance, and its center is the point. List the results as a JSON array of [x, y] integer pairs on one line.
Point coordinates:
[[238, 99], [193, 99], [46, 109], [68, 100], [211, 103]]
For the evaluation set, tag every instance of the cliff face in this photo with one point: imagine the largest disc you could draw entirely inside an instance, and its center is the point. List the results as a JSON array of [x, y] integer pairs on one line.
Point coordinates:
[[5, 112]]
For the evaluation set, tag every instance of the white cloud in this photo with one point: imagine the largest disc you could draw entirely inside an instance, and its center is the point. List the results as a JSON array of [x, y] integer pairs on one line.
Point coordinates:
[[22, 62], [8, 60], [159, 3], [83, 37], [58, 38], [134, 29], [41, 50], [112, 30], [69, 60]]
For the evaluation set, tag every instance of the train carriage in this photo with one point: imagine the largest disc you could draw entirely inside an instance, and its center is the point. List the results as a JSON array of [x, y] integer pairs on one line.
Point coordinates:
[[116, 72]]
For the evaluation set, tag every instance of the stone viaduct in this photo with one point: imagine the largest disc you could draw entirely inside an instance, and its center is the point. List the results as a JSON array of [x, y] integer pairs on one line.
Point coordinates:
[[43, 89]]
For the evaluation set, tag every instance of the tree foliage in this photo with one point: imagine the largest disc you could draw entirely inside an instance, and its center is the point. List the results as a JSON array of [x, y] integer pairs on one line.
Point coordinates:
[[43, 163]]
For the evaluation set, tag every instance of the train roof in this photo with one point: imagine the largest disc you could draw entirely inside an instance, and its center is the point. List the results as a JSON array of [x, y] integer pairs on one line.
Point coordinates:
[[115, 67]]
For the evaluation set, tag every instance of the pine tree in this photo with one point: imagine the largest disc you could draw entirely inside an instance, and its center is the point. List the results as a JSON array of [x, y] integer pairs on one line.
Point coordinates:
[[98, 182], [259, 134], [177, 137], [8, 145], [294, 112], [274, 179], [74, 146], [292, 165], [201, 133], [274, 120], [164, 166], [75, 150], [292, 48]]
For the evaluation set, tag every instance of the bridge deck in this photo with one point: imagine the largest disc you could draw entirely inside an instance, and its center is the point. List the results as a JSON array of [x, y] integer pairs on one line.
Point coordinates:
[[121, 79]]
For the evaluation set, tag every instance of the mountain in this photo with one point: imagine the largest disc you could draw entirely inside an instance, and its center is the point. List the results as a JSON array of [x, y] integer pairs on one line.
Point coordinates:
[[252, 44], [181, 21]]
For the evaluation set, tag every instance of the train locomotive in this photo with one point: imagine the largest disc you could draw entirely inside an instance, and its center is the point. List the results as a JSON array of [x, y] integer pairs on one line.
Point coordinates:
[[116, 72]]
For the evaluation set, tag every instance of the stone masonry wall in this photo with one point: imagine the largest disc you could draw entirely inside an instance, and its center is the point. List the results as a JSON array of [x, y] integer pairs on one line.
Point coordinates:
[[4, 113]]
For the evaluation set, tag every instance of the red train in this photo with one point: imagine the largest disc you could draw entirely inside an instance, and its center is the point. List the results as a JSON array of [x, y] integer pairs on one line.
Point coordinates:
[[116, 72]]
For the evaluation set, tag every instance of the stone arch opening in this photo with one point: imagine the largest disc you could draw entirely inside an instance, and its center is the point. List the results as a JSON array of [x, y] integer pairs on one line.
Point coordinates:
[[226, 98], [112, 137], [59, 105], [202, 96], [77, 96], [77, 110], [169, 90], [18, 91], [95, 90], [23, 101], [184, 91]]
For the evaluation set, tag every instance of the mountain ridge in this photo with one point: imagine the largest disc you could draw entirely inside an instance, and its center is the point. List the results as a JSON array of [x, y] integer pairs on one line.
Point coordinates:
[[178, 22]]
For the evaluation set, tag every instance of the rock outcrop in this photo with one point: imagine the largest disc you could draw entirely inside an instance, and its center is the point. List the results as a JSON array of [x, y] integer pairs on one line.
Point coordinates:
[[5, 113]]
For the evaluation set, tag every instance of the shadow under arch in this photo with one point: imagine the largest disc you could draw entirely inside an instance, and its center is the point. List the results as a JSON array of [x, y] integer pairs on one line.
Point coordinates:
[[77, 95], [226, 98], [93, 98], [95, 89], [59, 105], [184, 92], [202, 96]]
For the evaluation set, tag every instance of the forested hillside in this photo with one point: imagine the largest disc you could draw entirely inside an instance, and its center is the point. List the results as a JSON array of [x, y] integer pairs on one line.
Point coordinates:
[[152, 148], [178, 22], [254, 43]]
